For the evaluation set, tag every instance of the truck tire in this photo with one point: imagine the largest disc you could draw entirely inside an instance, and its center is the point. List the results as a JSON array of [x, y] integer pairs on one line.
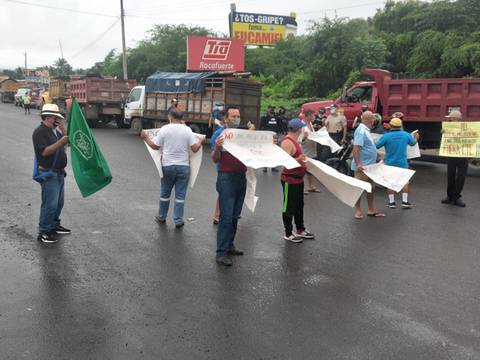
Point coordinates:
[[121, 124], [136, 126], [195, 128]]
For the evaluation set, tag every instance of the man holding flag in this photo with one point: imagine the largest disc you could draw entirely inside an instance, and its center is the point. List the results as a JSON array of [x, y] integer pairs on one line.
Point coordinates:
[[49, 142]]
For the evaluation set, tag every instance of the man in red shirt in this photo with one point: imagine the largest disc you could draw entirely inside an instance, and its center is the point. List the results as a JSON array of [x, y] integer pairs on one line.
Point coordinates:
[[292, 183], [231, 187]]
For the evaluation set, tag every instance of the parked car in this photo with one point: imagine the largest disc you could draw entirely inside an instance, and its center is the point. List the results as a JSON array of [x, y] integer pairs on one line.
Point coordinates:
[[18, 96]]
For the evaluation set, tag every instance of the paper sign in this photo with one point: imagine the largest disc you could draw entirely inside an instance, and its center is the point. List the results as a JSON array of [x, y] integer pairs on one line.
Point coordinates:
[[413, 152], [346, 188], [391, 177], [460, 139], [195, 158], [255, 149], [323, 138]]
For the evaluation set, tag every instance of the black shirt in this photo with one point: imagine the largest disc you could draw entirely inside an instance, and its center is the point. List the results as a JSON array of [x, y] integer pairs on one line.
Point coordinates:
[[42, 137]]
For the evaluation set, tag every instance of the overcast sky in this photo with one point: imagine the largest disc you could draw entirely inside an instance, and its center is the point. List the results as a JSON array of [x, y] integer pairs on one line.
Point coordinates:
[[36, 26]]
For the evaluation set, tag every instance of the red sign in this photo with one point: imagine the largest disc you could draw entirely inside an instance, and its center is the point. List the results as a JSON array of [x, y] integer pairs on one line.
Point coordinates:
[[215, 54]]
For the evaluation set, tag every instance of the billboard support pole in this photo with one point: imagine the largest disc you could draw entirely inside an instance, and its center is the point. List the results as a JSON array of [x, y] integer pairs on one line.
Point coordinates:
[[233, 8]]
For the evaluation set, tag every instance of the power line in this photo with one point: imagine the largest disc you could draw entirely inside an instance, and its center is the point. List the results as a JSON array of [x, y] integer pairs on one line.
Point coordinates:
[[59, 8], [341, 8], [97, 39]]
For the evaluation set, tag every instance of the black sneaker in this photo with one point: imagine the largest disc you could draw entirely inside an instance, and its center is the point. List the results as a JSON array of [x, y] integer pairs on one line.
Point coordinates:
[[60, 230], [47, 238], [224, 260], [447, 200], [458, 202], [406, 205], [234, 251], [179, 225], [160, 220], [392, 205]]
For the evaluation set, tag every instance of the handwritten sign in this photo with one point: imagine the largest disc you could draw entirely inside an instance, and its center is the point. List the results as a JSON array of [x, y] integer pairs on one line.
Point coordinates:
[[391, 177], [460, 139]]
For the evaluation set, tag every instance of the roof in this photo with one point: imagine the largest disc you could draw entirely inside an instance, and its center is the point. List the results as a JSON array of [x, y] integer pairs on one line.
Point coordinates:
[[170, 82]]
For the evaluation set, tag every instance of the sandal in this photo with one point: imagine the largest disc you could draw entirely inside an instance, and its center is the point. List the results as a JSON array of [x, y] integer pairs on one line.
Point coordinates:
[[377, 214], [358, 217], [314, 190]]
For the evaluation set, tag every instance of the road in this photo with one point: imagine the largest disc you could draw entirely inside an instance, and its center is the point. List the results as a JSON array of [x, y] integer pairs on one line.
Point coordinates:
[[123, 287]]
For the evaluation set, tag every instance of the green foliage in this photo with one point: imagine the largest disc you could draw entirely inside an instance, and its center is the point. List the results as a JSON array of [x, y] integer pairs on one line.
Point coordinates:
[[61, 67]]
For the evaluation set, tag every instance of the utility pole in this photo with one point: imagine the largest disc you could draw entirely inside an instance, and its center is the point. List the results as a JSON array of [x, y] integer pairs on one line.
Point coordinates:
[[122, 16], [25, 54], [61, 50]]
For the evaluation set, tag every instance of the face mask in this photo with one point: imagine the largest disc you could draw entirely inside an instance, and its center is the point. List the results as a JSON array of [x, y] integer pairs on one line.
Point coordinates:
[[333, 111], [235, 122]]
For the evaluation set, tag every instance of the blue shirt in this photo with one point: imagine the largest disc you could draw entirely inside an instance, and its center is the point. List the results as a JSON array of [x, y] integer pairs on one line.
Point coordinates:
[[368, 151], [395, 143]]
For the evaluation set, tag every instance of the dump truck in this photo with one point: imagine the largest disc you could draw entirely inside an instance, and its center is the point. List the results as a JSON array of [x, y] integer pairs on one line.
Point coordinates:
[[101, 99], [8, 88], [196, 93], [59, 91], [424, 102]]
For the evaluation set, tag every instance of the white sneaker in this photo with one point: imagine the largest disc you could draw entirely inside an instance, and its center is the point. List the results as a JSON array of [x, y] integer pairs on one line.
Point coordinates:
[[305, 234], [293, 238]]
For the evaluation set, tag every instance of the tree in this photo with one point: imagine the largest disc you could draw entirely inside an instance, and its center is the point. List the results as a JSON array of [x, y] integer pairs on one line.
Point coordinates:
[[61, 67]]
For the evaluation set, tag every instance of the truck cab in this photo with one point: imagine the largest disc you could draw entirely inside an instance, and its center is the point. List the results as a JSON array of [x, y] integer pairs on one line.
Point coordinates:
[[134, 108]]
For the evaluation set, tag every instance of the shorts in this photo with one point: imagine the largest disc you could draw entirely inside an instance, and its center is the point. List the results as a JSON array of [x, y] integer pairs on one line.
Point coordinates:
[[361, 176]]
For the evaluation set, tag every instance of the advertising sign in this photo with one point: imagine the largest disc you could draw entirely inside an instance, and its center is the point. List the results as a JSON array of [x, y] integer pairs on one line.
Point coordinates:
[[261, 29], [215, 54], [460, 139]]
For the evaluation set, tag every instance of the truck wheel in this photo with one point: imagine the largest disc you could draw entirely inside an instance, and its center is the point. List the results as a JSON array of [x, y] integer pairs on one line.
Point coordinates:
[[136, 126], [121, 123], [195, 128]]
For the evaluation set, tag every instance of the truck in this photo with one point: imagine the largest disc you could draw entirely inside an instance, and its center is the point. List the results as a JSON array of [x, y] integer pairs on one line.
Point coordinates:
[[196, 93], [8, 88], [59, 91], [100, 98], [424, 102]]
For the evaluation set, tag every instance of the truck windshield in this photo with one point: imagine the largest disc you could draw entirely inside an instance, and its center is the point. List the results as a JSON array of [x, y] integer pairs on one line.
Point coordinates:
[[134, 95], [359, 94]]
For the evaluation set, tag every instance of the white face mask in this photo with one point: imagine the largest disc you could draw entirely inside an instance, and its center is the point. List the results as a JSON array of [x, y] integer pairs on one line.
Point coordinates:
[[333, 111], [235, 122]]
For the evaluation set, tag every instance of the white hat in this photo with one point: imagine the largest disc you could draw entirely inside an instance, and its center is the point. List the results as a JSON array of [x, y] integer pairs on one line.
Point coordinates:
[[454, 114], [51, 109]]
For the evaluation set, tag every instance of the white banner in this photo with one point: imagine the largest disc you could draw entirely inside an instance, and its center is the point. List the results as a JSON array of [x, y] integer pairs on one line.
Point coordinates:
[[195, 158], [323, 138], [413, 152], [255, 149], [347, 189], [391, 177]]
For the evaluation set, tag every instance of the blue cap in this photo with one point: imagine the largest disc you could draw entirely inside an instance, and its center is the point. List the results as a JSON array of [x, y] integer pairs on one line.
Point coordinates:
[[295, 124]]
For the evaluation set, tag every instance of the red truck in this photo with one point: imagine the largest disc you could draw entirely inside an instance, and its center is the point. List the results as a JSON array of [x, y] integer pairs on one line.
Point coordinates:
[[101, 99], [424, 102]]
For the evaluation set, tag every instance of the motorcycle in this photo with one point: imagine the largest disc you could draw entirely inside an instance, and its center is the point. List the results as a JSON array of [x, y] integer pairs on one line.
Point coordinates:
[[342, 159]]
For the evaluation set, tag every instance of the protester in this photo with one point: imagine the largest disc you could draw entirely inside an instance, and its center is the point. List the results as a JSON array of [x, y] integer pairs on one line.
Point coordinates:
[[292, 184], [336, 124], [378, 127], [173, 105], [175, 140], [49, 142], [231, 187], [26, 103], [282, 119], [456, 171], [309, 147], [319, 119], [365, 153], [270, 122], [358, 119], [396, 142], [216, 120]]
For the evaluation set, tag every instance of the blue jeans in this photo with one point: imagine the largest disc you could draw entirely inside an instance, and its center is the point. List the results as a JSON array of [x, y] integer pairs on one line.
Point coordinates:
[[52, 203], [231, 189], [174, 175]]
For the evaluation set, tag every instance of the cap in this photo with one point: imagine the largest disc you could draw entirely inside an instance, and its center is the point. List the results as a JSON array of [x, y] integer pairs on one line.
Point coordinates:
[[396, 122], [174, 100], [295, 124], [51, 109], [397, 114], [454, 114]]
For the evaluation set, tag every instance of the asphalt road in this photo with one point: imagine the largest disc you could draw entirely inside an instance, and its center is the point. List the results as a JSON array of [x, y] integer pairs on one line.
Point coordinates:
[[123, 287]]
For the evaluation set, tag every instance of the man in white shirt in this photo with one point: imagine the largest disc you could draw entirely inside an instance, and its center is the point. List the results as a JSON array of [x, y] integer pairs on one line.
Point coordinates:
[[175, 141]]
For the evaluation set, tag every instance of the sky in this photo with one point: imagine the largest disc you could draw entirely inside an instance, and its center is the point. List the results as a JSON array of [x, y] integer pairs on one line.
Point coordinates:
[[87, 30]]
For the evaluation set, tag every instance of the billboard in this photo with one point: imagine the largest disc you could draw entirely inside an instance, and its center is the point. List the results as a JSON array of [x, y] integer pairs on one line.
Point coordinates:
[[215, 54], [261, 29]]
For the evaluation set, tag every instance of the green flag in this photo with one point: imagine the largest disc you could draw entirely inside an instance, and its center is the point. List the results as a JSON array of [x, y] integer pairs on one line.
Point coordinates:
[[89, 166]]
